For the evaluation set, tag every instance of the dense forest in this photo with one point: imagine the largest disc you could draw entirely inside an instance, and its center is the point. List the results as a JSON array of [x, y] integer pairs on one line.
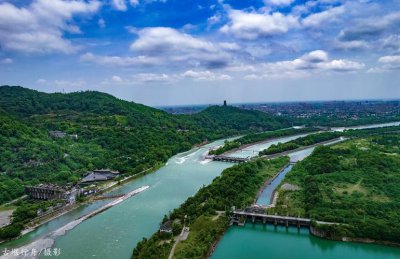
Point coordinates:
[[256, 137], [237, 186], [112, 133], [356, 183], [300, 142], [326, 136]]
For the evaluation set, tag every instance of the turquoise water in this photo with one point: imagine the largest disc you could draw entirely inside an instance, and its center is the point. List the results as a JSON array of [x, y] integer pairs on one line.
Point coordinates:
[[266, 194], [267, 241], [115, 232]]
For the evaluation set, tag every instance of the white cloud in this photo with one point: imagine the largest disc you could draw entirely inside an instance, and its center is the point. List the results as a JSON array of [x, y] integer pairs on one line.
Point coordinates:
[[322, 18], [122, 5], [41, 81], [390, 62], [352, 45], [389, 59], [342, 65], [168, 46], [39, 27], [391, 42], [216, 18], [278, 2], [387, 63], [314, 62], [232, 46], [155, 78], [119, 5], [159, 39], [116, 79], [316, 56], [173, 46], [371, 27], [7, 61], [166, 78], [205, 75], [250, 26], [120, 61]]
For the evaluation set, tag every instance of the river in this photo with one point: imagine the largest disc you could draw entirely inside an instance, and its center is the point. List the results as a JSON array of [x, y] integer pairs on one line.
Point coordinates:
[[267, 241], [262, 241], [115, 232]]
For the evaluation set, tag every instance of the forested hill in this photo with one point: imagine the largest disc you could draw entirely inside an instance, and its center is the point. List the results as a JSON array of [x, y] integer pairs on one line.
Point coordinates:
[[112, 133]]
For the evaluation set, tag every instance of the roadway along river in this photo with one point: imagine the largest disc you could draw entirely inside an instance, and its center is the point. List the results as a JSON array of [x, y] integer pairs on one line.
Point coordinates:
[[115, 232]]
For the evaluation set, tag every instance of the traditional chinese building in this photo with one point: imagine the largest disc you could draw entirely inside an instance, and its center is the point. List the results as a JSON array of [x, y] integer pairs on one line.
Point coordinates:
[[99, 175], [166, 227]]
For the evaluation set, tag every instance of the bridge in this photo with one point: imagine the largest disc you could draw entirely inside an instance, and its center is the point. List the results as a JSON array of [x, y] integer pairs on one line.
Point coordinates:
[[230, 159], [240, 216]]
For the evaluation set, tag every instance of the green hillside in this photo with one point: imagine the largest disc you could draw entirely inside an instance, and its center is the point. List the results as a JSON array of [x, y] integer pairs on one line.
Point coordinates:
[[112, 133]]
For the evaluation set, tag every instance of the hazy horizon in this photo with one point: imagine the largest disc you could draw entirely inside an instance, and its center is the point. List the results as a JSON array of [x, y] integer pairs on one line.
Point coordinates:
[[175, 52]]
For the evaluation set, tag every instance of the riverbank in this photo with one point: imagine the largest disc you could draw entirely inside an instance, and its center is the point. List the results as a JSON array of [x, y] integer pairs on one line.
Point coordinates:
[[220, 195], [263, 142], [268, 182], [41, 220], [369, 185], [48, 241], [269, 241], [268, 137], [320, 233]]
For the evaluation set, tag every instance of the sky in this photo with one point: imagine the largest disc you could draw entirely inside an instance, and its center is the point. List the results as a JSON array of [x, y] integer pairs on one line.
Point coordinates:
[[175, 52]]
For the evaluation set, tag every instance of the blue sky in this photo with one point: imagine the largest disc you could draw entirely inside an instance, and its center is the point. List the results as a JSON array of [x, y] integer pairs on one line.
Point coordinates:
[[167, 52]]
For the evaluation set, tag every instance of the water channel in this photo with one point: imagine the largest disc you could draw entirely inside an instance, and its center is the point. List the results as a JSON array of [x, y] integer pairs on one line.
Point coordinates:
[[115, 232]]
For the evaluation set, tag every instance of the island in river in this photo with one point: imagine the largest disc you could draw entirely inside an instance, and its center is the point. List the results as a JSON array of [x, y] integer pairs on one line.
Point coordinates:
[[205, 231]]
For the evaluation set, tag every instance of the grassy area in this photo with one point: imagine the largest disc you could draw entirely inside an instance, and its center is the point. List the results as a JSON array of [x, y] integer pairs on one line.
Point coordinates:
[[7, 207], [356, 183], [202, 235]]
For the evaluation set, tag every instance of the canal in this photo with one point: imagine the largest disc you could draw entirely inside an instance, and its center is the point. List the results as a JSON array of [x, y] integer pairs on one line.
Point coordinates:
[[115, 232]]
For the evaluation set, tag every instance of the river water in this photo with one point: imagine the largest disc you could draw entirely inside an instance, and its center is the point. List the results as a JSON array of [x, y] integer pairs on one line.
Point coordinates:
[[115, 232], [265, 197], [257, 241]]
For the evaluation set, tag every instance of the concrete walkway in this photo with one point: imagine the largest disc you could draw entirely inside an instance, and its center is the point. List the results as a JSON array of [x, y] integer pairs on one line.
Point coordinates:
[[182, 236]]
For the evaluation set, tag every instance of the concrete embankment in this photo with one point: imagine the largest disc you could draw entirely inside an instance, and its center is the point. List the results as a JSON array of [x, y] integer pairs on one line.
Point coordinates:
[[315, 231], [288, 152], [268, 182], [48, 240]]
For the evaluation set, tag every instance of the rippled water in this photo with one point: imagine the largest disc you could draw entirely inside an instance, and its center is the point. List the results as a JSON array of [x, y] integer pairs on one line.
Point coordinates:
[[115, 232]]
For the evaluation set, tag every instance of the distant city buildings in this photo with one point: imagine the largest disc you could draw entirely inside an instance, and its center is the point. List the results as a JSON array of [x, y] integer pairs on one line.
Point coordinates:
[[340, 109]]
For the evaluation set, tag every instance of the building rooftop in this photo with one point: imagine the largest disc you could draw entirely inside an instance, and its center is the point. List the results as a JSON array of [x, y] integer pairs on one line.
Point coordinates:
[[99, 175]]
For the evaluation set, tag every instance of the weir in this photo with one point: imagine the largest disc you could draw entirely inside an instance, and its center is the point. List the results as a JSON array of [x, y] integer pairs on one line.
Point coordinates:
[[230, 159], [239, 217]]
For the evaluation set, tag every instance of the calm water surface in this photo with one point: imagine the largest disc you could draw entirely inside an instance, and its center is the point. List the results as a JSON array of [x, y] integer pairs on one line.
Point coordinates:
[[267, 241], [115, 232]]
